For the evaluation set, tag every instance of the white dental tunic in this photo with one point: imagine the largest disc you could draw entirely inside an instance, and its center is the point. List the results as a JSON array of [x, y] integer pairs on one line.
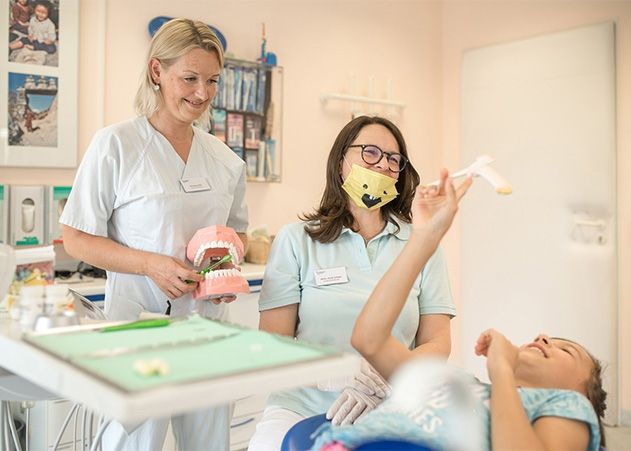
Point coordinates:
[[128, 188]]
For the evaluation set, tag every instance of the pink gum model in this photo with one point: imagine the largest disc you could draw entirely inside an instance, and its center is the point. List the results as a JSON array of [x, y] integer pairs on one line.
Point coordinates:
[[217, 241]]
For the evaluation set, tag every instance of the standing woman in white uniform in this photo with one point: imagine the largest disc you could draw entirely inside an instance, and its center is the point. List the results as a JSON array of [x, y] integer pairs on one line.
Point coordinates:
[[144, 187]]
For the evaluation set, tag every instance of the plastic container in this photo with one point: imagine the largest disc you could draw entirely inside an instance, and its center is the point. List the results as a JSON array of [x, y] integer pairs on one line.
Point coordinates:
[[31, 304], [34, 266], [66, 318], [56, 298]]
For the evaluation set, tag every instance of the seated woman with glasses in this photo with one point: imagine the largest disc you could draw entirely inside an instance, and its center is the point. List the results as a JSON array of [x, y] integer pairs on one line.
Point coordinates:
[[322, 270]]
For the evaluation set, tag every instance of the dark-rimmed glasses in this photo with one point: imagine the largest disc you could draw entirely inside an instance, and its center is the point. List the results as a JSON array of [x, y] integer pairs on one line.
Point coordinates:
[[372, 155]]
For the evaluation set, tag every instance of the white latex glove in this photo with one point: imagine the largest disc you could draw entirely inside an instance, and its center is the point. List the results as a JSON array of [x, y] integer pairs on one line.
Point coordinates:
[[365, 391], [350, 406], [368, 381]]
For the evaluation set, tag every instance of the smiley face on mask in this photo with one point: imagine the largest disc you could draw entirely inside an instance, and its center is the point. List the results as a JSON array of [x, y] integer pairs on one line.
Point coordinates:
[[369, 189]]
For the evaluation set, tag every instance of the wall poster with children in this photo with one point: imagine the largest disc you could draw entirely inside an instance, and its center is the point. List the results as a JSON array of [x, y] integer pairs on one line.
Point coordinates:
[[39, 87]]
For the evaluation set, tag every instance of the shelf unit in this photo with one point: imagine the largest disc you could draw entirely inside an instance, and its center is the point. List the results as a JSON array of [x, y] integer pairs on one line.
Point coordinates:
[[361, 99], [247, 116]]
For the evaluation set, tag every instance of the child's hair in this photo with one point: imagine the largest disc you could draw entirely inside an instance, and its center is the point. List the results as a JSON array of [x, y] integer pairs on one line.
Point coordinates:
[[597, 395]]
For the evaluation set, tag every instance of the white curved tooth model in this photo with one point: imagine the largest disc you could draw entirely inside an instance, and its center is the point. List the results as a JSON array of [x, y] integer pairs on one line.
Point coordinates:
[[480, 167]]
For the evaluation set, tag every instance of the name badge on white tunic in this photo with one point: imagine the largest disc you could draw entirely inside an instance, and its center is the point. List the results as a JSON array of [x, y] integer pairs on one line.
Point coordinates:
[[330, 276], [195, 184]]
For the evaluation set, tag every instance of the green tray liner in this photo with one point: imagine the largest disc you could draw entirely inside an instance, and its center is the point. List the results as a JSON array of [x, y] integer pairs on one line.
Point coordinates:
[[248, 350]]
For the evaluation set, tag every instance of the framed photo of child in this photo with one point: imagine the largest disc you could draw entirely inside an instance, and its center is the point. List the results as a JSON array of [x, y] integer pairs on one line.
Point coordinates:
[[34, 32], [39, 87]]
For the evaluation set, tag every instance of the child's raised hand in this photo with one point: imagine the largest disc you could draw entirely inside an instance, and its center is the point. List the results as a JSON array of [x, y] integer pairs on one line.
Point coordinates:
[[500, 353], [434, 207], [483, 343]]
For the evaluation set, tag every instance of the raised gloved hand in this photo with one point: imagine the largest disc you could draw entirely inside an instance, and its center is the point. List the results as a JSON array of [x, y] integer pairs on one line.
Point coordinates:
[[364, 392]]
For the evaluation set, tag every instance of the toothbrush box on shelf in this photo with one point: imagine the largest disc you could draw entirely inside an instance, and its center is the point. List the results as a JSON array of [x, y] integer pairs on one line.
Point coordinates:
[[27, 215], [57, 198]]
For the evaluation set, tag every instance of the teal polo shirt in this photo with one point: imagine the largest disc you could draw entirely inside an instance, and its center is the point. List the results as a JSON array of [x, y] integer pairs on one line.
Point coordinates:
[[327, 313]]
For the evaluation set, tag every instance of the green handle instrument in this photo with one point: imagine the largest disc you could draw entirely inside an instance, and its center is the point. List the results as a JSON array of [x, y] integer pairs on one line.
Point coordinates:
[[142, 324], [207, 269]]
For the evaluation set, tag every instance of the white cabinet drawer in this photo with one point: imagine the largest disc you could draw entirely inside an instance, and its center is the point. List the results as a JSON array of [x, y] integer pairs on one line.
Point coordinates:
[[241, 430], [247, 413], [249, 404]]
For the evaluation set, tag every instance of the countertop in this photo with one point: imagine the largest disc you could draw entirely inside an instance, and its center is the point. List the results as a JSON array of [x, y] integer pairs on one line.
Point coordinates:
[[91, 286]]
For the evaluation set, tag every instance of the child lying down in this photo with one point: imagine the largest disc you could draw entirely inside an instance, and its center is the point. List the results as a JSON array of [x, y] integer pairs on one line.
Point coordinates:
[[546, 394], [535, 405]]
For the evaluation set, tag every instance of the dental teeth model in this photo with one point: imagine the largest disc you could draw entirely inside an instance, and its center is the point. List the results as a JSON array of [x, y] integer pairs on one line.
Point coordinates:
[[210, 244]]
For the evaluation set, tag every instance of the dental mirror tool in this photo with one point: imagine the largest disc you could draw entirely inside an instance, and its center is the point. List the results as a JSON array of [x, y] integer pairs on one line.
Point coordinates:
[[480, 167]]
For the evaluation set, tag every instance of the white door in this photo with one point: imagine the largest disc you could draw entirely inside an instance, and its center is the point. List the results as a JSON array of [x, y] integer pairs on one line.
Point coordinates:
[[544, 258]]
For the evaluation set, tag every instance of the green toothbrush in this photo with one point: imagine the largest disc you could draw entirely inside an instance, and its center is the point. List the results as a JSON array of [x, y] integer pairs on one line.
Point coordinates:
[[207, 269], [225, 259]]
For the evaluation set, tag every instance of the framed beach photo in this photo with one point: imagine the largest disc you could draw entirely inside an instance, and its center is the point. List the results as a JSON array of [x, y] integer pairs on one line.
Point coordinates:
[[39, 83]]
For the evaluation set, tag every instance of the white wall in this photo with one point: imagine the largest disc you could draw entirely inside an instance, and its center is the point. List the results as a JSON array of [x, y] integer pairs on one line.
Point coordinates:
[[320, 45], [466, 25]]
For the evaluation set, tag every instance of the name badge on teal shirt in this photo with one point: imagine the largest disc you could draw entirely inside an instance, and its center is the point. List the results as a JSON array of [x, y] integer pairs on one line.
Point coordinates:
[[330, 276]]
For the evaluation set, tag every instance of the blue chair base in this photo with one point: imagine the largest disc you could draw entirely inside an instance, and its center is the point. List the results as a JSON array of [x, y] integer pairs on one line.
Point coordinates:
[[298, 438]]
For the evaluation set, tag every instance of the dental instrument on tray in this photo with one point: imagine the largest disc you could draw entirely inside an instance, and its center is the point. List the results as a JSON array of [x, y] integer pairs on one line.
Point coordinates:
[[480, 167], [124, 350], [141, 324]]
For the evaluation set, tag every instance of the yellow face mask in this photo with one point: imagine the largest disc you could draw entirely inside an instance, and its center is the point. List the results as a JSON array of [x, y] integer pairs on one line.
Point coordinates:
[[369, 189]]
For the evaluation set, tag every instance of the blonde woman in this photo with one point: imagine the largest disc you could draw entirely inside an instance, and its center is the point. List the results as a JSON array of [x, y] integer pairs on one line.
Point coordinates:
[[143, 188]]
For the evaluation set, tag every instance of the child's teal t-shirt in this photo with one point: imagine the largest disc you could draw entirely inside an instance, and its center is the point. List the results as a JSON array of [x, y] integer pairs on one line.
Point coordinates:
[[438, 422]]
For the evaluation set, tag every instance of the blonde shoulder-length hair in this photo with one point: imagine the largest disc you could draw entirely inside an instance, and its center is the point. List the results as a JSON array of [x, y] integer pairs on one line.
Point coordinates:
[[174, 39]]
